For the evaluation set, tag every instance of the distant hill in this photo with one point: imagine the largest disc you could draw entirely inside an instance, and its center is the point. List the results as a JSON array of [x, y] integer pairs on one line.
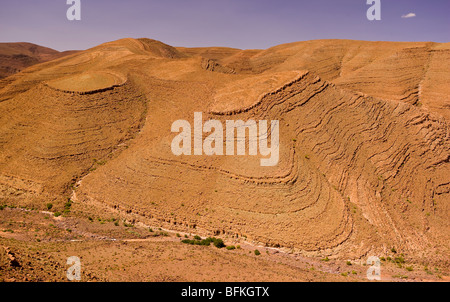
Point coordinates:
[[15, 57]]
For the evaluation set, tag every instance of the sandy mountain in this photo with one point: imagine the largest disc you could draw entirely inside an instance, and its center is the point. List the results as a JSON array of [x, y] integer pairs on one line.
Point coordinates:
[[364, 143], [15, 57]]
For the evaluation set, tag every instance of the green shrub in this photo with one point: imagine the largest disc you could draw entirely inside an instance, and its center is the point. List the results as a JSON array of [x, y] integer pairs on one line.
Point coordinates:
[[219, 243], [257, 253], [400, 276], [49, 206], [231, 247], [399, 260], [206, 242], [409, 268], [67, 206], [196, 237], [349, 263], [57, 214]]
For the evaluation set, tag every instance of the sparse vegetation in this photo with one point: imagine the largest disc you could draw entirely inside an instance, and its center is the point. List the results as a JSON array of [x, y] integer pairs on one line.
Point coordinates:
[[257, 253], [67, 206], [49, 206], [101, 162], [218, 243], [400, 276], [399, 259], [206, 242]]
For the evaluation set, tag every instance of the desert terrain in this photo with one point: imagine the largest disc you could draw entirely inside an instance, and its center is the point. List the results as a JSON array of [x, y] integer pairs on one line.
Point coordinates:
[[86, 167], [15, 57]]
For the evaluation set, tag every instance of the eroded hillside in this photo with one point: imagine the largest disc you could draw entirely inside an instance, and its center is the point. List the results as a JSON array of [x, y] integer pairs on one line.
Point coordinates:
[[364, 143]]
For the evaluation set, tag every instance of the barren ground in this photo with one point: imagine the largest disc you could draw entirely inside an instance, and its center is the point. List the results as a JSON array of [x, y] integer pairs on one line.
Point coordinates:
[[363, 171]]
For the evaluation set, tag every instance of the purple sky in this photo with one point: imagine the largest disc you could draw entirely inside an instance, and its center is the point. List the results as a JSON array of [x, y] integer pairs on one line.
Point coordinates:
[[234, 23]]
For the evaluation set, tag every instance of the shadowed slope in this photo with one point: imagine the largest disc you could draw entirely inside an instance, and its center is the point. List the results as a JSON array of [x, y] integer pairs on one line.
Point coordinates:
[[15, 57]]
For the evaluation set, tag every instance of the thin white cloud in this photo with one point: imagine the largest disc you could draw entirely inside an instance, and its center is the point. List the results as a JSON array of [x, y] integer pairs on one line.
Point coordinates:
[[410, 15]]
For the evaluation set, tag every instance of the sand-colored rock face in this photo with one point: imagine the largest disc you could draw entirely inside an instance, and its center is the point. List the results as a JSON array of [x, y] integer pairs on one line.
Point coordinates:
[[88, 82], [364, 141]]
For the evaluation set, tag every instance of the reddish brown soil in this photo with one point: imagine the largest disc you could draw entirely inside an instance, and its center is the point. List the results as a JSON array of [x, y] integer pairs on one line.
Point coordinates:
[[14, 57]]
